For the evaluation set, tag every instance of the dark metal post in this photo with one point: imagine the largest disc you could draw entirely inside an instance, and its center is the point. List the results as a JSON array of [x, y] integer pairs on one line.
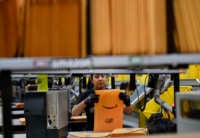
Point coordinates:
[[132, 85], [6, 92], [176, 79], [113, 82], [171, 26]]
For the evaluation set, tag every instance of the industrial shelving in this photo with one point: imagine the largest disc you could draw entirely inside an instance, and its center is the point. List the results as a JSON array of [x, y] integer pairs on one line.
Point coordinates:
[[93, 64], [96, 62]]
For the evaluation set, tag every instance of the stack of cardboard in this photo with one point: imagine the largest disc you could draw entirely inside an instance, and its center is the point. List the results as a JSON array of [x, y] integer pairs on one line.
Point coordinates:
[[122, 132]]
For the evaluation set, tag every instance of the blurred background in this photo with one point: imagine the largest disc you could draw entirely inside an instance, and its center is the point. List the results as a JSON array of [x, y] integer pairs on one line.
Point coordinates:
[[79, 28], [83, 28]]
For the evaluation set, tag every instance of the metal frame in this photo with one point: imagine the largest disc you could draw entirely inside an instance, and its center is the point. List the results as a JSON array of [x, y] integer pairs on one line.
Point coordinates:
[[6, 91], [90, 65], [99, 62]]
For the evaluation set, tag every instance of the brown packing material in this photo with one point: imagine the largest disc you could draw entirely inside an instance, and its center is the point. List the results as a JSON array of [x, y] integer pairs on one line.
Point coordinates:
[[180, 36], [37, 31], [143, 27], [188, 22], [8, 28], [179, 33], [125, 27], [100, 27], [53, 28], [2, 47], [179, 135], [22, 121], [157, 26], [193, 10], [88, 135], [184, 47], [187, 26], [84, 4], [19, 105], [78, 118], [21, 26], [66, 35], [129, 132], [122, 132], [129, 27]]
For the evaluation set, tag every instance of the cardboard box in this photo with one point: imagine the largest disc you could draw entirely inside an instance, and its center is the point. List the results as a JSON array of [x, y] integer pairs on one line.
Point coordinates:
[[121, 132]]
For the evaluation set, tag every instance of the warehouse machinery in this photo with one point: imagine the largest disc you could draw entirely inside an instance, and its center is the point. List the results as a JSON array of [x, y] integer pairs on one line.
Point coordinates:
[[155, 101], [113, 64], [188, 112], [46, 114]]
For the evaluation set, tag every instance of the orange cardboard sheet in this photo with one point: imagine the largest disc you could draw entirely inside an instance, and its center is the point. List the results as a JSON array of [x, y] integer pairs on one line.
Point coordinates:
[[108, 112]]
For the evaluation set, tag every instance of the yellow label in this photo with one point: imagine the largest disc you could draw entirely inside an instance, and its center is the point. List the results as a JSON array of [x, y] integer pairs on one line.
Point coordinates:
[[42, 83]]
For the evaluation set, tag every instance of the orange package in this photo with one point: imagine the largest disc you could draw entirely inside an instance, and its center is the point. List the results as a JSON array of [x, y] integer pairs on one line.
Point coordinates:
[[108, 112]]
